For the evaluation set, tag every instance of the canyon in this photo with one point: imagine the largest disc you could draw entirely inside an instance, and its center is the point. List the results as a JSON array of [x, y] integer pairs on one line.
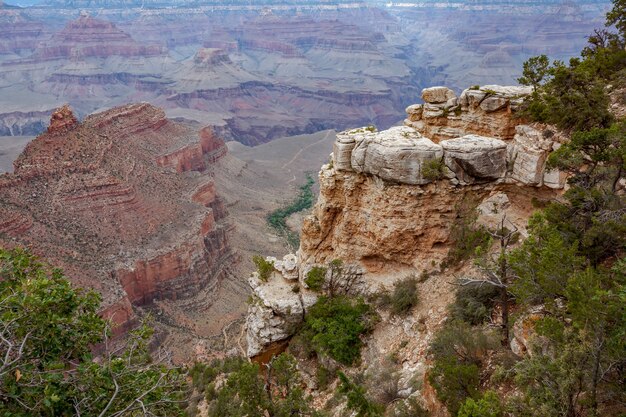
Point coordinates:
[[260, 72], [112, 201]]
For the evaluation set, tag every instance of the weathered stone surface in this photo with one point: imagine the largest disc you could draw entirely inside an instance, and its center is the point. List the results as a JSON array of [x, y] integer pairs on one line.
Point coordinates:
[[493, 103], [62, 119], [415, 112], [528, 154], [474, 157], [437, 94], [288, 266], [345, 143], [395, 155], [554, 179], [276, 312], [486, 111]]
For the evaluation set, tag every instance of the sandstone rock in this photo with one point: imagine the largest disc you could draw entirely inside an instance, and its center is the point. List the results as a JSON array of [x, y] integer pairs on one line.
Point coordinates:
[[395, 155], [276, 312], [432, 111], [493, 103], [345, 143], [475, 157], [415, 112], [471, 98], [437, 94], [508, 91], [62, 119], [524, 335], [554, 179], [528, 154], [288, 266]]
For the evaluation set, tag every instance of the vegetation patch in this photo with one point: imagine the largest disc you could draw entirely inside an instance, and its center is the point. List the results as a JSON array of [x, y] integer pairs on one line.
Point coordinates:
[[402, 298], [264, 267], [334, 326], [278, 218]]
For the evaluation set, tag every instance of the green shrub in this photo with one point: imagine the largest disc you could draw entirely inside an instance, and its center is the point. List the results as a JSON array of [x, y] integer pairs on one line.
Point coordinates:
[[357, 398], [433, 169], [466, 236], [402, 298], [487, 406], [474, 303], [264, 268], [334, 326], [459, 351], [315, 278]]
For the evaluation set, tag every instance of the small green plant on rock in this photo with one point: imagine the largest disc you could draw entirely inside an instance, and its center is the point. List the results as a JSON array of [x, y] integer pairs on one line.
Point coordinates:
[[264, 267], [315, 278], [402, 298], [433, 169]]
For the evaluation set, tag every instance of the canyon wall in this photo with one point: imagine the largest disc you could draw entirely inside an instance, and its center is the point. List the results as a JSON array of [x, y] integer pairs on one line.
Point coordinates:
[[112, 201]]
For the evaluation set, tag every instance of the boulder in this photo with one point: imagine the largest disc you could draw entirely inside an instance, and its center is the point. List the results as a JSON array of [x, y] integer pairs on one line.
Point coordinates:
[[432, 110], [288, 266], [494, 103], [396, 154], [528, 154], [474, 157], [415, 112], [344, 144], [276, 312], [436, 95]]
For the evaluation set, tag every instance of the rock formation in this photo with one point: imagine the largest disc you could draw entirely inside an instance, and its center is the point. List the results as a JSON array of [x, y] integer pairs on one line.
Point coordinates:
[[111, 201], [380, 213]]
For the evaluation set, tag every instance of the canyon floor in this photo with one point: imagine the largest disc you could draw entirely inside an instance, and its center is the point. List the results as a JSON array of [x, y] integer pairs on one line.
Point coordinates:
[[10, 148]]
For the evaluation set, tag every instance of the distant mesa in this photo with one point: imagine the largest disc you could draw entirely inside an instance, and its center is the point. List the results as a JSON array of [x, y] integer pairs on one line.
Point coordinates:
[[62, 120]]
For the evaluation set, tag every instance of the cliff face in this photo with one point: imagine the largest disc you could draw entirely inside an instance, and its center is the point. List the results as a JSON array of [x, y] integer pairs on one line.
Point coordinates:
[[389, 200], [110, 201]]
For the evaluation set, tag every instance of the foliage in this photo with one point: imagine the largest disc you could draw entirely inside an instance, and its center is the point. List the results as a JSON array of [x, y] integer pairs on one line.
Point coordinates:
[[46, 366], [535, 70], [467, 237], [315, 278], [357, 398], [459, 351], [334, 326], [402, 298], [264, 267], [278, 218], [487, 406], [473, 303], [433, 169], [246, 393]]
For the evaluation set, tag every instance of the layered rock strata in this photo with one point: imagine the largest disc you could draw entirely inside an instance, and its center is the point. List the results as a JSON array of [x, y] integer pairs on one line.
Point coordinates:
[[97, 199], [486, 111], [388, 200]]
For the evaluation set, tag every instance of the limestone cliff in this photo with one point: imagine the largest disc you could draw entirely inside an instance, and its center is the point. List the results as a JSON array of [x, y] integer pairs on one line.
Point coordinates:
[[388, 203], [114, 201]]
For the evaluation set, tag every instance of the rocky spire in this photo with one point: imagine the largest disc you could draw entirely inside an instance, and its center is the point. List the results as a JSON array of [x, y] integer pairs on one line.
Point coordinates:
[[62, 119]]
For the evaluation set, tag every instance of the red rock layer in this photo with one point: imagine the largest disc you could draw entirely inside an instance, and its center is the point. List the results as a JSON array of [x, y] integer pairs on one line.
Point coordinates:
[[91, 198]]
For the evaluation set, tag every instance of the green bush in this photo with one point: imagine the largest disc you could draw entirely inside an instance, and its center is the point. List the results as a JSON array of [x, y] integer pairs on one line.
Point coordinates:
[[334, 326], [433, 169], [474, 303], [357, 398], [466, 236], [458, 351], [315, 278], [48, 332], [402, 298], [487, 406], [264, 268]]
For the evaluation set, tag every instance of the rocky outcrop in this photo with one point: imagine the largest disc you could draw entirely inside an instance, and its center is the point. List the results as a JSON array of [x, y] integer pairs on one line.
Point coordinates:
[[485, 111], [62, 120], [91, 198], [389, 200], [276, 310], [474, 158]]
